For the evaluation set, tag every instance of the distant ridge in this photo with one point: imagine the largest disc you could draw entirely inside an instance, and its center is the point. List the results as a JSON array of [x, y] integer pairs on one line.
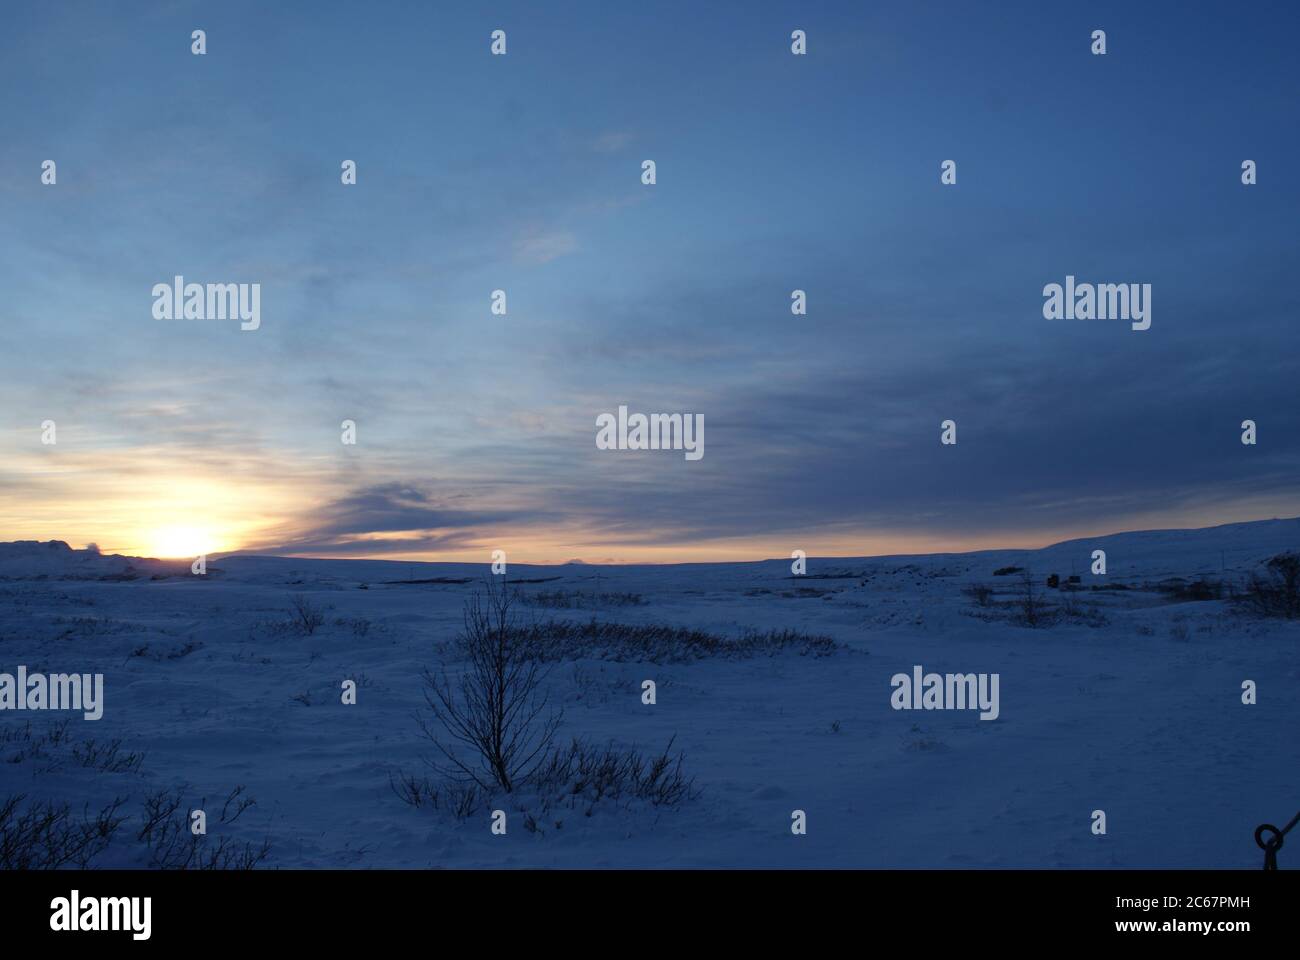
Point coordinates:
[[1238, 545]]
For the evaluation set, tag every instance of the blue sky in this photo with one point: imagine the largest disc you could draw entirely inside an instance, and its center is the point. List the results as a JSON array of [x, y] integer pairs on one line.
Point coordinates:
[[522, 173]]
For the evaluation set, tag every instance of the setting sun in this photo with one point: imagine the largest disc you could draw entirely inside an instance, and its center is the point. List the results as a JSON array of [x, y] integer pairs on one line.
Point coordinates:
[[182, 541]]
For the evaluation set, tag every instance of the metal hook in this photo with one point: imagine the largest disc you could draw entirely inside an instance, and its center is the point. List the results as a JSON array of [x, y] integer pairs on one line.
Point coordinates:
[[1272, 845]]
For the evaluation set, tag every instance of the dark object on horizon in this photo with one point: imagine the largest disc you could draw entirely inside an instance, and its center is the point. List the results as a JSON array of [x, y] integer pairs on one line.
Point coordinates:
[[1053, 581], [1007, 571]]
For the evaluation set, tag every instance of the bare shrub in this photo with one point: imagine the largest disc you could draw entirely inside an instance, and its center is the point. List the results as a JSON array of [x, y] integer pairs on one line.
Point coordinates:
[[45, 835], [236, 803], [497, 710], [589, 773], [463, 799], [413, 790], [59, 744], [570, 599], [107, 756], [1033, 611], [360, 625], [27, 744], [305, 616], [661, 643], [459, 799], [173, 846], [158, 809], [1088, 614], [980, 593]]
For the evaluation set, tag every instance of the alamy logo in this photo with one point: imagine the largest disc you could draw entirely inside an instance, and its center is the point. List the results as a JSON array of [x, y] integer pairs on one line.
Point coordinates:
[[1102, 301], [73, 913], [946, 691], [209, 301], [658, 431], [58, 691]]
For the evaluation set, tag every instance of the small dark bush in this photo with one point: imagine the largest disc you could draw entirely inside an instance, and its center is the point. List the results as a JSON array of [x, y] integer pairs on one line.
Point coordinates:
[[586, 773], [660, 643], [459, 798], [1033, 611], [305, 615], [576, 599], [1276, 591]]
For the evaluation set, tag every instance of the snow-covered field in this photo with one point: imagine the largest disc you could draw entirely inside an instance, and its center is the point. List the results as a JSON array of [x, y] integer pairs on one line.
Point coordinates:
[[1129, 702]]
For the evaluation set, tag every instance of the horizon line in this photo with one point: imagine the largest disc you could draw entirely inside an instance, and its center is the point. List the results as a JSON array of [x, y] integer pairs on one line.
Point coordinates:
[[607, 562]]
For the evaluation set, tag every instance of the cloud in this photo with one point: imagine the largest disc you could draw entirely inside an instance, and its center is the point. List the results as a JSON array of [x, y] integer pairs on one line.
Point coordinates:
[[612, 141], [538, 246], [355, 524]]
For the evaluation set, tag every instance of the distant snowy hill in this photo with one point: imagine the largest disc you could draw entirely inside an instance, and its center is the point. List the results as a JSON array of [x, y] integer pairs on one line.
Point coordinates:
[[54, 559], [1148, 553]]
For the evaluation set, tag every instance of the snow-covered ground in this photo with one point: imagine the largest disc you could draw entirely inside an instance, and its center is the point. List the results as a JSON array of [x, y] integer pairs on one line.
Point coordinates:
[[1131, 703]]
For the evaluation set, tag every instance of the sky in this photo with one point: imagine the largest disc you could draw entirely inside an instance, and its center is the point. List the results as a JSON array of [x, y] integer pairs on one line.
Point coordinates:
[[522, 172]]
